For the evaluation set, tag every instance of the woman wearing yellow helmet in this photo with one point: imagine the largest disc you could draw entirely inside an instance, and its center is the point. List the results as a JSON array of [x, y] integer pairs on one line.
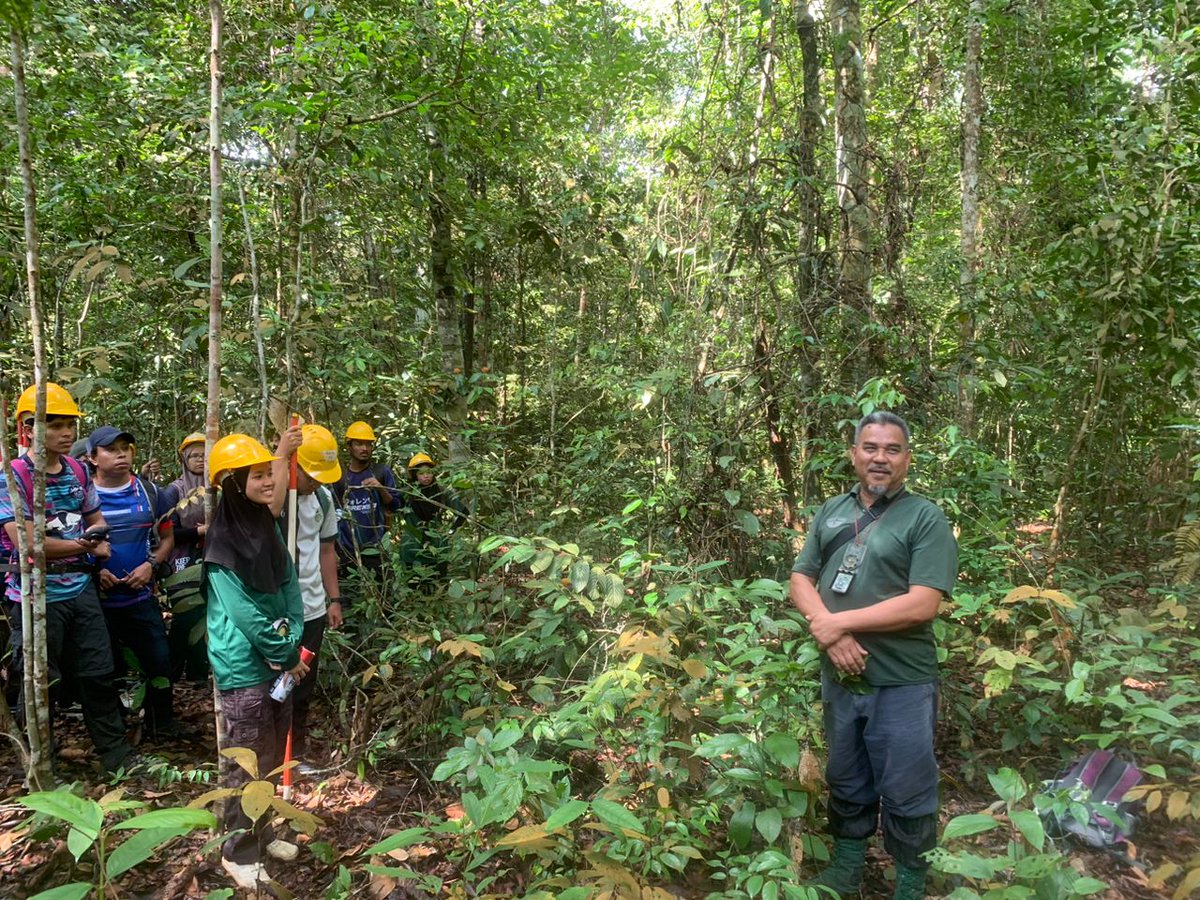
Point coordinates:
[[255, 620]]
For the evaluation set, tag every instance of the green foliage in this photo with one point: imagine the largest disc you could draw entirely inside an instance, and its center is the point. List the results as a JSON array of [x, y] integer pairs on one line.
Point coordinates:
[[1027, 867], [87, 830]]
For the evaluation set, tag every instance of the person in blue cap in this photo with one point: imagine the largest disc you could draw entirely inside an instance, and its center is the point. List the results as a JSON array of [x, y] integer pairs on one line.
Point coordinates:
[[141, 543]]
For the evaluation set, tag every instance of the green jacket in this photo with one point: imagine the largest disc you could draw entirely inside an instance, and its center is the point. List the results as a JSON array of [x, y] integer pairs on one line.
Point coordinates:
[[242, 637]]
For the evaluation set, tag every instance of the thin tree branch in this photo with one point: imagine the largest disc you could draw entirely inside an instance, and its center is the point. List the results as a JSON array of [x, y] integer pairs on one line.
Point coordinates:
[[399, 110]]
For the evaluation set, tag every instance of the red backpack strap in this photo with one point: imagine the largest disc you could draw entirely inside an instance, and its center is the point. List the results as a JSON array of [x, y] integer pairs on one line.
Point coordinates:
[[78, 469]]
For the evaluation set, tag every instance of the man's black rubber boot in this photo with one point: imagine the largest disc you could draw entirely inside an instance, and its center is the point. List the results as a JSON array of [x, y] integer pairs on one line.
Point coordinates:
[[844, 874], [910, 883]]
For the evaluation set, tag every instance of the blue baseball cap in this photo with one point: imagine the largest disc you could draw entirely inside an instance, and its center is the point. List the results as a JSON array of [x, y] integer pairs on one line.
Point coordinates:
[[106, 435]]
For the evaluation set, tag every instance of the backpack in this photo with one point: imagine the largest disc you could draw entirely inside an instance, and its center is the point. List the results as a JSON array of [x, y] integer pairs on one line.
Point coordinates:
[[1096, 813], [24, 472], [150, 489]]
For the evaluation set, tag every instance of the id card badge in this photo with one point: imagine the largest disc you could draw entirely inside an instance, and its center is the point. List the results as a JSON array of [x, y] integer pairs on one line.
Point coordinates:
[[841, 582]]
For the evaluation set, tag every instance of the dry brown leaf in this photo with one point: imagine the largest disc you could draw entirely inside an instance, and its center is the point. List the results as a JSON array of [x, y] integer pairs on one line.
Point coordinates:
[[381, 886]]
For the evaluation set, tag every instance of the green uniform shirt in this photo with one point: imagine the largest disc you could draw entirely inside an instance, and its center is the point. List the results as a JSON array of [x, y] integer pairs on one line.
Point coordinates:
[[910, 544], [242, 637]]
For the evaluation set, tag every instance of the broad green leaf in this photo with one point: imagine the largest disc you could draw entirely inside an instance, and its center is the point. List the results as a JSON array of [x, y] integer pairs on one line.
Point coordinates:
[[1085, 887], [85, 816], [769, 823], [456, 760], [614, 590], [1029, 823], [784, 748], [964, 826], [722, 744], [76, 890], [747, 522], [78, 843], [741, 825], [171, 818], [140, 847], [504, 739], [1008, 784], [397, 841], [581, 575], [541, 562], [616, 815], [566, 814], [1159, 715]]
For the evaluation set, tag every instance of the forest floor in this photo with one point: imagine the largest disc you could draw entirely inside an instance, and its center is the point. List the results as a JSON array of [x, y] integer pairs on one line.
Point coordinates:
[[357, 813]]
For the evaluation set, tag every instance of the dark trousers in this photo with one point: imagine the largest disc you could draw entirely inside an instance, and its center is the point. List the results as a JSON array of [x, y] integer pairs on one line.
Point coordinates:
[[187, 639], [254, 721], [314, 636], [140, 628], [77, 647], [881, 759]]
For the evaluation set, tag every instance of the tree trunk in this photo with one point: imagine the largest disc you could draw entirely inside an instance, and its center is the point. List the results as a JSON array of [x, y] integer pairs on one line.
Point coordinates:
[[33, 581], [256, 314], [972, 114], [212, 419], [454, 402], [1062, 504], [806, 153], [780, 434], [850, 126]]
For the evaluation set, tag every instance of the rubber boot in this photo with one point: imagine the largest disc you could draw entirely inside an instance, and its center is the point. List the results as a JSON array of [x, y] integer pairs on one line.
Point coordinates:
[[844, 874], [910, 883]]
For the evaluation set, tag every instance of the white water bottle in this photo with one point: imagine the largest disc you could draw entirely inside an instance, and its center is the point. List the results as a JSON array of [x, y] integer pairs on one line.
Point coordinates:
[[286, 681]]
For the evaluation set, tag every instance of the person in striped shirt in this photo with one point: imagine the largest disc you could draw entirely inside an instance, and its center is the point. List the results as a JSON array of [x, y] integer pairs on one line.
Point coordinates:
[[140, 545]]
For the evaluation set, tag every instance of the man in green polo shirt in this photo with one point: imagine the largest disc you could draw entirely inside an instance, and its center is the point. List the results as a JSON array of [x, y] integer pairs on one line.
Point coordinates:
[[876, 565]]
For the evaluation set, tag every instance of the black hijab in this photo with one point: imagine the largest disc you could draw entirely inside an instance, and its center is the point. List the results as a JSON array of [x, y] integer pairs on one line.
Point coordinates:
[[243, 537]]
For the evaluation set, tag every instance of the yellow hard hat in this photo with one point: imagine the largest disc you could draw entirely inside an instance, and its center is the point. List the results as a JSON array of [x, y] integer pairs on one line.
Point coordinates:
[[360, 431], [194, 438], [58, 401], [235, 451], [318, 455], [420, 459]]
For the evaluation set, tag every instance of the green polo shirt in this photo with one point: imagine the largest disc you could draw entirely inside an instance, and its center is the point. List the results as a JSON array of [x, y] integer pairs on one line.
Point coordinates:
[[910, 544]]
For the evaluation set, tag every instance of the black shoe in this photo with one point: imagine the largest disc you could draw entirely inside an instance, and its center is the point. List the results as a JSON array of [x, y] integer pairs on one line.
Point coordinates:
[[175, 731], [137, 765]]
